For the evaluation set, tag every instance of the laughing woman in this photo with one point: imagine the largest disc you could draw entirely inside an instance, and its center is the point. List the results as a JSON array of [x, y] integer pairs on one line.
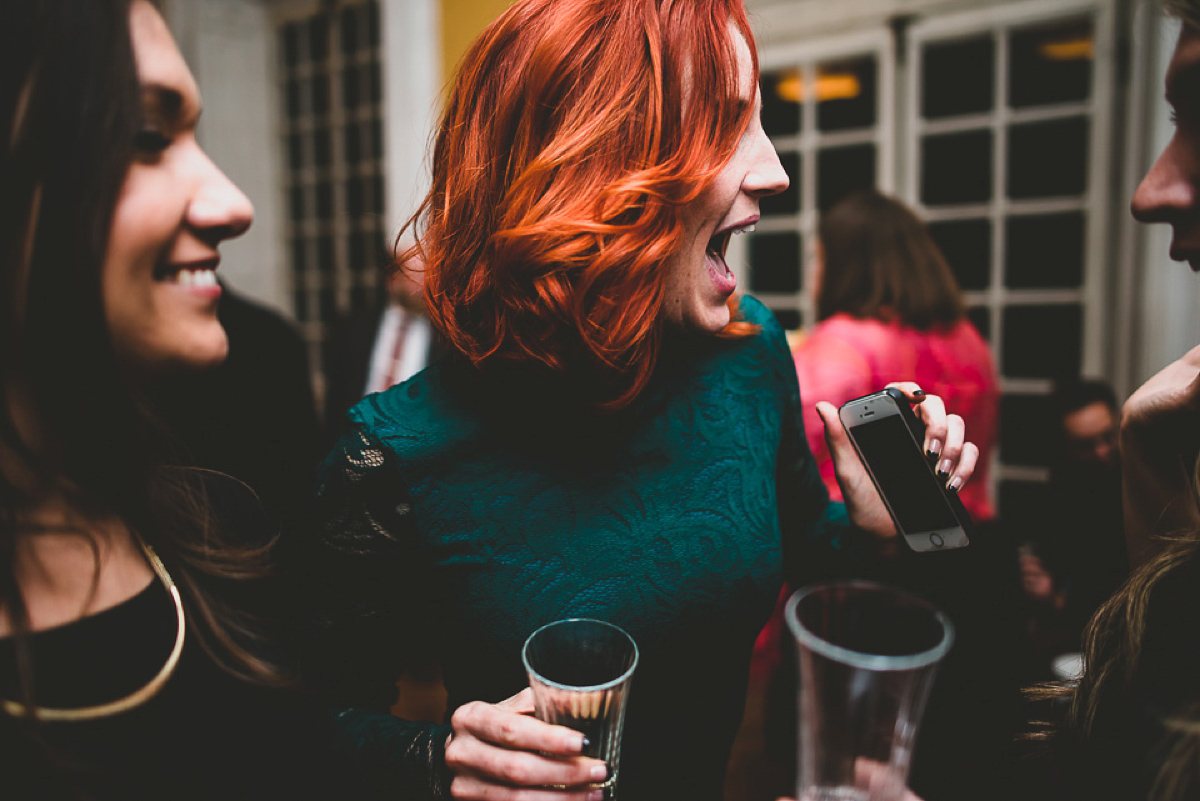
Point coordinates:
[[616, 434], [130, 666]]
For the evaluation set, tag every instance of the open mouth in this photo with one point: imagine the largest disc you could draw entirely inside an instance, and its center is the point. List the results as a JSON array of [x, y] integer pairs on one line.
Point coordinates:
[[719, 243]]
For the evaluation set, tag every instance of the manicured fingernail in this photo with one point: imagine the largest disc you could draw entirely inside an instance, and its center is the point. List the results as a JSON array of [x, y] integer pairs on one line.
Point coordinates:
[[935, 447], [944, 468], [584, 742], [955, 484], [599, 772], [920, 393]]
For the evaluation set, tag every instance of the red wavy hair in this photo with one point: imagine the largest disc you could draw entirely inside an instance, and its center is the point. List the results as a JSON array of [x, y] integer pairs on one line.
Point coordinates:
[[576, 133]]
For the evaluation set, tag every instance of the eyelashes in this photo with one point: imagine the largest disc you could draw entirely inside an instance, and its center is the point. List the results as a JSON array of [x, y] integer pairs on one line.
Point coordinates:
[[150, 141]]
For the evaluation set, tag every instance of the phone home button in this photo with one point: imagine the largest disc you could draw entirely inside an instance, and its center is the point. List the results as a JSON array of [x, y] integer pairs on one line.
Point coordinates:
[[936, 540]]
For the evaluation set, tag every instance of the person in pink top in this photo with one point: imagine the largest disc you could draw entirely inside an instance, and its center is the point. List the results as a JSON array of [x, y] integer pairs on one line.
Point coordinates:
[[889, 309]]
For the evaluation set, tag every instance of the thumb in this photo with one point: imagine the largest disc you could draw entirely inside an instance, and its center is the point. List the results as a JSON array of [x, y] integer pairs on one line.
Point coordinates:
[[836, 437]]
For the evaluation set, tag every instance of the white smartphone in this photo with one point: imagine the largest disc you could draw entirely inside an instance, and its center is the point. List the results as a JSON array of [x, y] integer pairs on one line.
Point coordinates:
[[889, 438]]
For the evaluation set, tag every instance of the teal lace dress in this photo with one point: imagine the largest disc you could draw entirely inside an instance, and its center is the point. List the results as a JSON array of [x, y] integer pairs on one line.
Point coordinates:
[[466, 509]]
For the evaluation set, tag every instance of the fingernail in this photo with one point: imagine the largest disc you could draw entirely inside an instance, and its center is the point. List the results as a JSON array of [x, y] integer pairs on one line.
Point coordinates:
[[944, 468], [920, 393], [584, 742], [599, 772], [955, 484], [596, 795], [935, 447]]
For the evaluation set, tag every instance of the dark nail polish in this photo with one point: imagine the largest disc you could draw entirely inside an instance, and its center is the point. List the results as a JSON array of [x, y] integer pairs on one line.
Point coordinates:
[[920, 393], [930, 455], [942, 475]]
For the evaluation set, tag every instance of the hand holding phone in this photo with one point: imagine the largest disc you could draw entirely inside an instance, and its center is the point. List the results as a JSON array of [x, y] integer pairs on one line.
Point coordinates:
[[888, 438]]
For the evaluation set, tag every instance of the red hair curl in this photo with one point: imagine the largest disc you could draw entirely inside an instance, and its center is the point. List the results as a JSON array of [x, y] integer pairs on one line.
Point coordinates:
[[576, 133]]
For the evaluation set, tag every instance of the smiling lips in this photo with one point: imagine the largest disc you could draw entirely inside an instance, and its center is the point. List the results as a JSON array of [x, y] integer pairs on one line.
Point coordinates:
[[722, 276]]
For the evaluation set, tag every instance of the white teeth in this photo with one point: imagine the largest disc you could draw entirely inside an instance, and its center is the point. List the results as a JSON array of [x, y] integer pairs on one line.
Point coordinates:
[[749, 229], [196, 278]]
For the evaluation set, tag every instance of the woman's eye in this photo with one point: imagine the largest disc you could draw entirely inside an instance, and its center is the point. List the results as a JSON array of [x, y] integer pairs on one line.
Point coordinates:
[[151, 141]]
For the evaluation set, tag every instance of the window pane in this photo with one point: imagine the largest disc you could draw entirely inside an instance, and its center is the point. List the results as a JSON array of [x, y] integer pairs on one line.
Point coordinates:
[[377, 138], [967, 246], [842, 170], [789, 319], [1042, 341], [981, 318], [299, 258], [354, 196], [328, 305], [377, 190], [1051, 65], [956, 168], [295, 151], [788, 201], [352, 144], [349, 30], [1048, 159], [325, 256], [775, 262], [295, 98], [957, 77], [324, 200], [300, 304], [292, 44], [1044, 251], [846, 94], [373, 23], [298, 203], [781, 91], [350, 86], [1026, 426], [318, 38], [374, 81], [319, 86], [322, 147]]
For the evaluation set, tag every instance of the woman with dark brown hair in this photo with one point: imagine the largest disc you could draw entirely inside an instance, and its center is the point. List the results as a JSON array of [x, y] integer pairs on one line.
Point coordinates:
[[133, 661], [888, 307], [615, 434]]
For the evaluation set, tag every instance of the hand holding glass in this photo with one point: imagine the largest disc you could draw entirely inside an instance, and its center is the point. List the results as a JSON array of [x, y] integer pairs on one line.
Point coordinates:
[[580, 670]]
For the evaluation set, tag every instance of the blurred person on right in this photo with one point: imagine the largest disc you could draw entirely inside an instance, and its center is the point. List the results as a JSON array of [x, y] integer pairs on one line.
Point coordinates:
[[1073, 555], [1133, 730]]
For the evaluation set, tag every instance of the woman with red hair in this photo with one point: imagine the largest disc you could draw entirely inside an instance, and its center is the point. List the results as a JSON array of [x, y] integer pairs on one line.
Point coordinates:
[[614, 434]]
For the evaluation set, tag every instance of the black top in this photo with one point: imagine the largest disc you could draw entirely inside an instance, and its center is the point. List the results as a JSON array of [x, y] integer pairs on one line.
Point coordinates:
[[205, 735]]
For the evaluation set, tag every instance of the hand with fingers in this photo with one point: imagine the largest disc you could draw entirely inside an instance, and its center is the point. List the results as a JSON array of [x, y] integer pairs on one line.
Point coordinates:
[[945, 441], [500, 752], [1160, 445]]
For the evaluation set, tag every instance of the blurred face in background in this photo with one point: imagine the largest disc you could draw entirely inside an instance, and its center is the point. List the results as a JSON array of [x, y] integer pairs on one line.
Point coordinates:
[[1090, 435], [1170, 192], [159, 276]]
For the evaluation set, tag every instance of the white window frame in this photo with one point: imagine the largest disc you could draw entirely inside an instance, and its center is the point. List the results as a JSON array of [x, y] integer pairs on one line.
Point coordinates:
[[807, 55]]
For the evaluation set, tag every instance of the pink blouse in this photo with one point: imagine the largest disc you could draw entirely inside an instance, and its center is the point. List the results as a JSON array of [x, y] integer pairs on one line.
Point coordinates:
[[845, 357]]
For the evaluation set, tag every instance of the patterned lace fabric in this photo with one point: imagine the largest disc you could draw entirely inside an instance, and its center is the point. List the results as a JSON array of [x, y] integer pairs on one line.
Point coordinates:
[[467, 509]]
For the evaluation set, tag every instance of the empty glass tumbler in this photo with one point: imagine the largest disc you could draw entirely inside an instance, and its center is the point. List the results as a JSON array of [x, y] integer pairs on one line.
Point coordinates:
[[867, 658], [580, 671]]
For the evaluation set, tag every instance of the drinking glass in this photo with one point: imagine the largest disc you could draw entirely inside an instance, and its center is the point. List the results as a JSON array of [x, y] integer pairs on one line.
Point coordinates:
[[868, 654], [580, 671]]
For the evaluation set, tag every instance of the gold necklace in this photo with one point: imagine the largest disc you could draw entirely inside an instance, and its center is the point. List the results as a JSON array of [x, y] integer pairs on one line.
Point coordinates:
[[139, 696]]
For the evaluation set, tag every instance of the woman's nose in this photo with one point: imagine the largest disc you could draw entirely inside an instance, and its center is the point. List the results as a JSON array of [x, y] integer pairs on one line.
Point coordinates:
[[1165, 193], [766, 175], [219, 210]]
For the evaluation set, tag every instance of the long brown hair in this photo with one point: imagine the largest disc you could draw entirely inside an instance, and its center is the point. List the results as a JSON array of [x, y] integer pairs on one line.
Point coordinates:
[[575, 134], [880, 262], [70, 425]]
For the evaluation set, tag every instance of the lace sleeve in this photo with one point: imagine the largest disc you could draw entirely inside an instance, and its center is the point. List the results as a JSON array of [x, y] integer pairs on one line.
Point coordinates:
[[363, 583]]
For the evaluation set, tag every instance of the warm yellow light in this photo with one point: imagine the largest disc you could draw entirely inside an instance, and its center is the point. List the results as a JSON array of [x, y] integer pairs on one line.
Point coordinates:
[[1068, 50], [830, 86]]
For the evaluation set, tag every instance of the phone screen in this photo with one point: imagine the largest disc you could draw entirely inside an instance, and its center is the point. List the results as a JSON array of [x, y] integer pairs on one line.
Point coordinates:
[[899, 467]]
